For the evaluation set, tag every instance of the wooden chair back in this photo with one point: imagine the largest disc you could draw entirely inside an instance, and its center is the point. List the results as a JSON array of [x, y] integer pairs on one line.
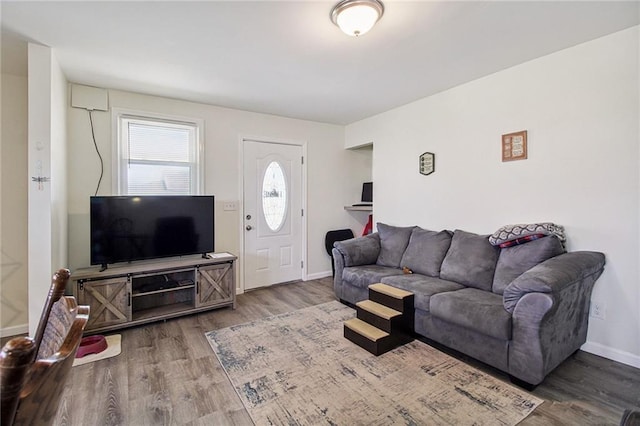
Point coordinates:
[[32, 375], [15, 359], [56, 291]]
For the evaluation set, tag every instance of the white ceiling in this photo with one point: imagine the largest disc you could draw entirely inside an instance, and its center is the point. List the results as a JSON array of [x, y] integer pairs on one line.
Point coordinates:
[[287, 58]]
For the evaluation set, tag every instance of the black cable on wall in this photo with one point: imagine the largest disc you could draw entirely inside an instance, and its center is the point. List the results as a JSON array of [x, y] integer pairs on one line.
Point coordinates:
[[93, 135]]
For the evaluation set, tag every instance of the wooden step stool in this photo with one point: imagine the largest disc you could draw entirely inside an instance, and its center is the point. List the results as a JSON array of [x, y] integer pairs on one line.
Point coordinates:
[[383, 322]]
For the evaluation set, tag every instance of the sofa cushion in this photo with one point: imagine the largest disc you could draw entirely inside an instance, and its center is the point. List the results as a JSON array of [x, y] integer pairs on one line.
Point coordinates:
[[426, 251], [474, 309], [471, 260], [359, 251], [362, 276], [516, 260], [393, 243], [422, 286]]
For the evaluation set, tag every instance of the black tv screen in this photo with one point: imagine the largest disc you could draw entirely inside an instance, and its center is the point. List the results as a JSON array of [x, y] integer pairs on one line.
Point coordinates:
[[129, 228]]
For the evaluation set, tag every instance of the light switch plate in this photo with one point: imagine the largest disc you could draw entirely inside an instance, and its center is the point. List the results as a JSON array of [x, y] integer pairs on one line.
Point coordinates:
[[229, 206]]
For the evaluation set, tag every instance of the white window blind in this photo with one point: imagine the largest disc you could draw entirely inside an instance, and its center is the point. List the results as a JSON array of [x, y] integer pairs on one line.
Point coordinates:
[[158, 156]]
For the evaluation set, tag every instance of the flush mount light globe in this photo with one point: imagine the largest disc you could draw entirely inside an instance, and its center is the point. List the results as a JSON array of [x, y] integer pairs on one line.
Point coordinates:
[[356, 17]]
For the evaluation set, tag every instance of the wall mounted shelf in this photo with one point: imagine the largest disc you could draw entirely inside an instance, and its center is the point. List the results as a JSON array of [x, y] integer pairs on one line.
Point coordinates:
[[359, 208]]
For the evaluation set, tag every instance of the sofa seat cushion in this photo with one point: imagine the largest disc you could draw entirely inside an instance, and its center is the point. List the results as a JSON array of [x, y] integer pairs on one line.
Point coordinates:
[[393, 243], [421, 286], [426, 251], [363, 276], [477, 310], [470, 261]]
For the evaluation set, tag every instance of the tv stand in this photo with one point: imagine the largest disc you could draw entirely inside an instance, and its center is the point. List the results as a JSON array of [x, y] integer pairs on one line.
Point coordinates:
[[137, 293]]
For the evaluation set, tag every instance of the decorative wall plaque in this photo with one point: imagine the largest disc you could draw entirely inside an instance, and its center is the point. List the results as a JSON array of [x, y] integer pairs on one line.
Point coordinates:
[[427, 164], [514, 146]]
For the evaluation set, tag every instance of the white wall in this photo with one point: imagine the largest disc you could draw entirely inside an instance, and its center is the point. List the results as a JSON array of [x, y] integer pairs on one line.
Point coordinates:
[[59, 105], [14, 317], [47, 213], [329, 167], [580, 108]]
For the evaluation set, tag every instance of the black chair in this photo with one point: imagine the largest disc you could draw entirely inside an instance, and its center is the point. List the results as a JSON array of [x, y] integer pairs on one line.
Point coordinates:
[[332, 237]]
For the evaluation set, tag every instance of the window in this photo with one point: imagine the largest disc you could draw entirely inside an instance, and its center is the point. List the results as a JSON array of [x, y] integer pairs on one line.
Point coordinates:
[[274, 196], [158, 155]]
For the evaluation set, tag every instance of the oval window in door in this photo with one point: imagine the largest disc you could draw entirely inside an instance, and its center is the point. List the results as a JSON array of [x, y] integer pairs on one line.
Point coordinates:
[[274, 196]]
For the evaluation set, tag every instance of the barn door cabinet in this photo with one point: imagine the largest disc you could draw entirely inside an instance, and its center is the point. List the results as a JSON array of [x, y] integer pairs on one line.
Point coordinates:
[[132, 294], [108, 300], [215, 284]]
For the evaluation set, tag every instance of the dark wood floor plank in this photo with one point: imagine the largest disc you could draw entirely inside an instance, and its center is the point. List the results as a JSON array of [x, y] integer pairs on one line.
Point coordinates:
[[167, 373], [192, 331], [566, 413], [112, 408], [219, 418]]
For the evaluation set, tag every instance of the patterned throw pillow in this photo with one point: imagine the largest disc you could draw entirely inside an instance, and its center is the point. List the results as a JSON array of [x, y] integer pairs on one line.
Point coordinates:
[[521, 240], [510, 233]]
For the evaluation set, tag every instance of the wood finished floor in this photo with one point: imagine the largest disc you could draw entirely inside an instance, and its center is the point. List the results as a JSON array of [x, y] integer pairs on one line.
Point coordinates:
[[167, 374]]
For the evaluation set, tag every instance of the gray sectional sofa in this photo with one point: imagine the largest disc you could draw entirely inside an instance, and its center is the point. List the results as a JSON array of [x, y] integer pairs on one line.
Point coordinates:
[[522, 309]]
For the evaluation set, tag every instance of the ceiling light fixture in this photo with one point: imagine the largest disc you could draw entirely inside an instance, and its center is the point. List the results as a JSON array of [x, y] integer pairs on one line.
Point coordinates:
[[356, 17]]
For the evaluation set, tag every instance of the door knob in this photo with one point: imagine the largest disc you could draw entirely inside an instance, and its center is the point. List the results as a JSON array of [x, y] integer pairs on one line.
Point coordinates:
[[249, 228]]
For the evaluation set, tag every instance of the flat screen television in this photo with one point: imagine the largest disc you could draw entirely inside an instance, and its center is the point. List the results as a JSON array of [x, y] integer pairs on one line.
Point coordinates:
[[129, 228]]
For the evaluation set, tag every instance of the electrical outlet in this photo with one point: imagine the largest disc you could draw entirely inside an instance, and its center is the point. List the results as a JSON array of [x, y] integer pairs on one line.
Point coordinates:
[[230, 206], [598, 310]]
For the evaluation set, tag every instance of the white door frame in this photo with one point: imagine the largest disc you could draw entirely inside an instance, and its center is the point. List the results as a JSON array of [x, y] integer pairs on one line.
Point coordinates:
[[303, 224]]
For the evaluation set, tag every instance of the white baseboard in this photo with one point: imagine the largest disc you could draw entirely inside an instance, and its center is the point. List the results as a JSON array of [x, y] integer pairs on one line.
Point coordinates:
[[612, 354], [14, 331], [309, 277], [318, 275]]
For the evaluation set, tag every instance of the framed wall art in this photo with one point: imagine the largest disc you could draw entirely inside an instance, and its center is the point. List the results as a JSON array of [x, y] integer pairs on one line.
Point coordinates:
[[427, 163], [514, 146]]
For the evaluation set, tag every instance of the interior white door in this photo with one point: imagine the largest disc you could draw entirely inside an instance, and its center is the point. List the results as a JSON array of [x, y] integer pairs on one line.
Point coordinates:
[[272, 213]]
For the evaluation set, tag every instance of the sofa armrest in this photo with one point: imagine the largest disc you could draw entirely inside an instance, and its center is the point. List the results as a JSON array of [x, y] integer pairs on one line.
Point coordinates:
[[353, 252], [550, 314], [359, 251], [553, 275]]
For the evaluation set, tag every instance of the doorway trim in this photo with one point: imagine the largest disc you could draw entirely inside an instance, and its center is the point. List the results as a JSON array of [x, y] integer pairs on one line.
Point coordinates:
[[303, 231]]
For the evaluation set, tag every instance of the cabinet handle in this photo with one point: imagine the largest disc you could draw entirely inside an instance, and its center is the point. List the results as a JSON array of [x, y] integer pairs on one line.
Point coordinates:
[[128, 298], [197, 287]]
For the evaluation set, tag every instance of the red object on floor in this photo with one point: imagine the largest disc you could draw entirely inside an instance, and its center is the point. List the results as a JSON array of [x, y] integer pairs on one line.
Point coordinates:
[[91, 345], [368, 228]]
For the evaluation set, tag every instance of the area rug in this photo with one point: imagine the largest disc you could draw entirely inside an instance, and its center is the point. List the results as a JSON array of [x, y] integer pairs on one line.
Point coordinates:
[[114, 347], [298, 369]]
